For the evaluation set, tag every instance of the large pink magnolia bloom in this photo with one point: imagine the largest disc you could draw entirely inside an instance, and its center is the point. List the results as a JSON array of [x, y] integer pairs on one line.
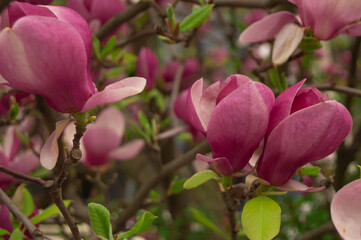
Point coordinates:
[[345, 211], [147, 66], [233, 115], [46, 50], [304, 127], [326, 18], [13, 158], [98, 151]]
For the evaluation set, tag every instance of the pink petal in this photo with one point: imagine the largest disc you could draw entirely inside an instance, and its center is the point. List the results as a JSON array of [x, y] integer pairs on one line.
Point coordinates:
[[116, 92], [79, 6], [35, 59], [345, 211], [25, 163], [221, 164], [286, 42], [267, 27], [354, 29], [179, 106], [193, 106], [11, 143], [128, 150], [294, 186], [147, 66], [105, 9], [111, 118], [237, 125], [306, 97], [49, 152], [307, 135]]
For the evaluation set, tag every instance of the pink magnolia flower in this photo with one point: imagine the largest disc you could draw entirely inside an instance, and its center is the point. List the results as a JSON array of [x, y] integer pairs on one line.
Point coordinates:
[[326, 18], [147, 66], [304, 127], [191, 68], [97, 151], [46, 50], [233, 115], [345, 211], [37, 2], [12, 157]]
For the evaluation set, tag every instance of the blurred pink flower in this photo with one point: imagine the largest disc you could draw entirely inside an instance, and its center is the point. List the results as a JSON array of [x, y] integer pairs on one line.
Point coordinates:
[[254, 16], [147, 66]]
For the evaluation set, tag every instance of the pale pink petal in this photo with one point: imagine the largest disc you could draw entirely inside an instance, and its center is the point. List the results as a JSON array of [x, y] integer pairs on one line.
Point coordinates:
[[354, 29], [267, 27], [208, 102], [11, 143], [127, 151], [345, 211], [307, 135], [115, 92], [193, 106], [25, 163], [295, 186], [286, 42], [111, 118], [49, 152]]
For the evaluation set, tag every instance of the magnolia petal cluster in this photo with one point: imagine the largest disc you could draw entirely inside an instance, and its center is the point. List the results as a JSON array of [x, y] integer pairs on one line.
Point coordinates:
[[98, 151], [345, 211], [326, 18], [303, 127], [46, 50], [233, 115]]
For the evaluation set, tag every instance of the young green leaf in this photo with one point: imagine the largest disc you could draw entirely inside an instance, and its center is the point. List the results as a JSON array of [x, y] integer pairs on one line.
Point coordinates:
[[275, 79], [199, 217], [96, 47], [48, 212], [145, 123], [14, 110], [23, 200], [196, 18], [142, 225], [4, 232], [310, 171], [261, 218], [109, 46], [199, 178], [171, 16], [309, 44], [100, 221], [16, 235], [176, 186]]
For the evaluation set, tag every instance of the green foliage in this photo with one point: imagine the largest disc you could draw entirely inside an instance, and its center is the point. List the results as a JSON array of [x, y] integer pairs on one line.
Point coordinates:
[[310, 171], [171, 16], [309, 44], [199, 217], [96, 47], [100, 221], [24, 139], [14, 111], [261, 218], [176, 186], [199, 179], [109, 46], [48, 212], [16, 235], [23, 200], [3, 232], [196, 18], [277, 81], [142, 225]]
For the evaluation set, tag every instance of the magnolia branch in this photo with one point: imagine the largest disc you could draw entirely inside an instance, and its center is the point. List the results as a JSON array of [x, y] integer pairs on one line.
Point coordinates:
[[34, 231], [4, 4], [342, 89], [167, 169]]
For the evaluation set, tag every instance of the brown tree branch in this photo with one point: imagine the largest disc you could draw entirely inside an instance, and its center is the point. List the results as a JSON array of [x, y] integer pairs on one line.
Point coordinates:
[[167, 169], [38, 181], [342, 89], [317, 233], [4, 4], [122, 17], [34, 231]]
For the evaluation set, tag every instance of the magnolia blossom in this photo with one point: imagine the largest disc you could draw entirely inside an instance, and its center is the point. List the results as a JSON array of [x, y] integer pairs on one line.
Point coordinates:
[[38, 2], [97, 151], [345, 211], [147, 66], [326, 18], [12, 157], [233, 115], [304, 127], [191, 68], [46, 50]]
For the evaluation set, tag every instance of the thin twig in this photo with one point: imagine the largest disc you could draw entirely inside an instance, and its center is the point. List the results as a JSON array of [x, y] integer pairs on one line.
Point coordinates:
[[167, 169], [34, 231], [342, 89], [317, 233], [137, 36], [38, 181], [4, 4]]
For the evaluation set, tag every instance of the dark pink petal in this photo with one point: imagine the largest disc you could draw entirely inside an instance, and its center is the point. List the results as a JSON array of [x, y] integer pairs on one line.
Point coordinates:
[[267, 27], [80, 7], [306, 97], [106, 9], [47, 57], [50, 151], [221, 164], [147, 66], [11, 143], [115, 92], [127, 151], [283, 105], [354, 29], [345, 211], [179, 106], [37, 2], [237, 125], [5, 222], [25, 163], [231, 84], [307, 135]]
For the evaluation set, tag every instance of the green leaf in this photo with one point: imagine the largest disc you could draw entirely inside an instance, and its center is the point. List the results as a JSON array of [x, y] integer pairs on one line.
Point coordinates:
[[23, 200], [275, 79], [100, 221], [310, 171], [108, 47], [96, 47], [140, 132], [309, 44], [16, 235], [14, 110], [24, 139], [48, 212], [199, 178], [4, 232], [199, 217], [176, 186], [145, 123], [171, 16], [142, 225], [261, 218], [196, 18]]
